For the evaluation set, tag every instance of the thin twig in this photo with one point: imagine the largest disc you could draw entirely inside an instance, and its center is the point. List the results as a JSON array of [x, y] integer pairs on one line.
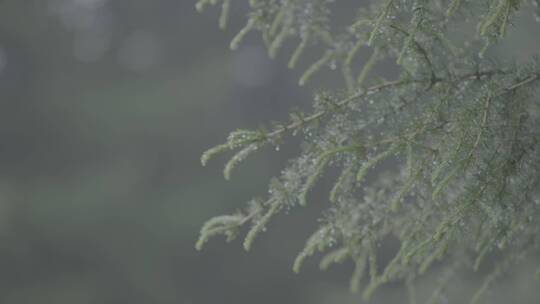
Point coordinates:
[[396, 83]]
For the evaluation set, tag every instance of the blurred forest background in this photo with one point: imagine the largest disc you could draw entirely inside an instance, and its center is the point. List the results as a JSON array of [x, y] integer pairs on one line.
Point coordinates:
[[106, 108]]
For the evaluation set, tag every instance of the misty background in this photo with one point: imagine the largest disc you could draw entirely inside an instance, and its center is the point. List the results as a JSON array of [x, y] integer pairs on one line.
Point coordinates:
[[106, 107]]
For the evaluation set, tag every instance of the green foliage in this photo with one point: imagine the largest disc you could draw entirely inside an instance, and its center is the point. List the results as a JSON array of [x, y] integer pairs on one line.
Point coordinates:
[[461, 131]]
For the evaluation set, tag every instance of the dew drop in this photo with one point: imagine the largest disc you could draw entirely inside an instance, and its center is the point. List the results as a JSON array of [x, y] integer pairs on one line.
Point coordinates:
[[333, 65]]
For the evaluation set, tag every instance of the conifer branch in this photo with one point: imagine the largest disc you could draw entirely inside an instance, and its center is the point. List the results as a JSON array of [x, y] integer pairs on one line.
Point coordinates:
[[460, 131]]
